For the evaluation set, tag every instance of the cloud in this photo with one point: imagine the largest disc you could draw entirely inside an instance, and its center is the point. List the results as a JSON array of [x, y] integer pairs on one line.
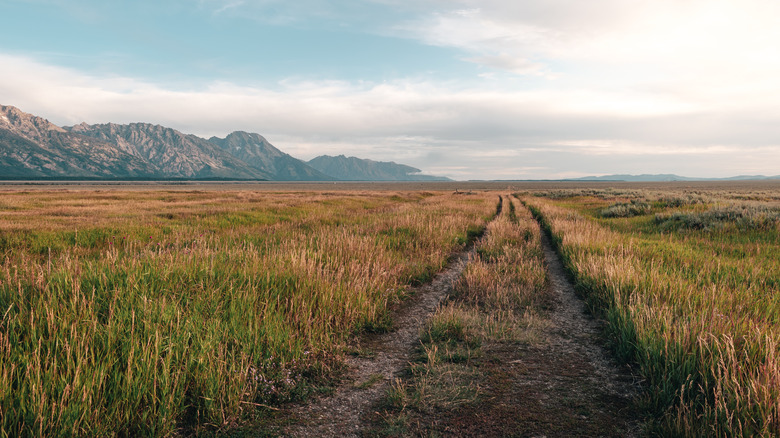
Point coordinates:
[[228, 5], [505, 61], [481, 132], [713, 52], [304, 13]]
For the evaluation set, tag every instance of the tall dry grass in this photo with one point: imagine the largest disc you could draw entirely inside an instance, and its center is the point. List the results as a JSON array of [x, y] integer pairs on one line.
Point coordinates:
[[508, 272]]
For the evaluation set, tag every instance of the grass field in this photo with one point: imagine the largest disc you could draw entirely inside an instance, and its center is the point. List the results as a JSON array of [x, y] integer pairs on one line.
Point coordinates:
[[151, 313], [172, 311], [689, 281]]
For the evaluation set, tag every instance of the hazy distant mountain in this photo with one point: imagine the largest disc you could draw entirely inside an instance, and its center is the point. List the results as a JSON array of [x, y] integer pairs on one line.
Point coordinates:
[[668, 177], [748, 178], [33, 147], [357, 169], [174, 154], [256, 151], [636, 178]]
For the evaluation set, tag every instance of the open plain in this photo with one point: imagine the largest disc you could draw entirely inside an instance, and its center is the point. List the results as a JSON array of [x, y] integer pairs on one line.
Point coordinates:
[[177, 309]]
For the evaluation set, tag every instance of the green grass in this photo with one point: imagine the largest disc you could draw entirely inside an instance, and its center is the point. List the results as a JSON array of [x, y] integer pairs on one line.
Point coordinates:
[[370, 381]]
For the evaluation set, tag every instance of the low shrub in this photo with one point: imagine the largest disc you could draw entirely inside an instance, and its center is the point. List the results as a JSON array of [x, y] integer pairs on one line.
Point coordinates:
[[626, 209], [740, 217]]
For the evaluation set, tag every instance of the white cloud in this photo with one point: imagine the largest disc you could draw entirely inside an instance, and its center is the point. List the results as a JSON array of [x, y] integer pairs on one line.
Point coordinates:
[[708, 52], [505, 61], [228, 5], [471, 133]]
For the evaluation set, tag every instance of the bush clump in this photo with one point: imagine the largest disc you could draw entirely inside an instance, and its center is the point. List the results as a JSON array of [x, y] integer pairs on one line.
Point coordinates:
[[676, 201], [626, 209], [740, 217]]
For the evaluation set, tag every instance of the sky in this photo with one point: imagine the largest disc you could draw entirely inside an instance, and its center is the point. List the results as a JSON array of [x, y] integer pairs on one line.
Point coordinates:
[[469, 89]]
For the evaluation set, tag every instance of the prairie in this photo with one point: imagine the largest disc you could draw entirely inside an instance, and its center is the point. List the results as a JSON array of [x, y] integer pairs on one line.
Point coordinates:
[[199, 309], [160, 312], [689, 283]]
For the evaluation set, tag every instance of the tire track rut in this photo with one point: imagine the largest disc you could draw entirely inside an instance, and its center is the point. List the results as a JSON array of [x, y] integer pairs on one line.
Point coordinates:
[[571, 386]]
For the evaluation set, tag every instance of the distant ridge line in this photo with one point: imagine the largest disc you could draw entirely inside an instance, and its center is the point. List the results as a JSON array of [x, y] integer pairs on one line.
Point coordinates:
[[667, 178]]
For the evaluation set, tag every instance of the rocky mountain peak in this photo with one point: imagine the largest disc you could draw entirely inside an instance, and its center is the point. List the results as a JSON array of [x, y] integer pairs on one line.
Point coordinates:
[[175, 154], [257, 151], [31, 127], [32, 147]]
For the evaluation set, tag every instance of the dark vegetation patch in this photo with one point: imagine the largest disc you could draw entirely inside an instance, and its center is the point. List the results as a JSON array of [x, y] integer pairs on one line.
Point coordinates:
[[736, 217]]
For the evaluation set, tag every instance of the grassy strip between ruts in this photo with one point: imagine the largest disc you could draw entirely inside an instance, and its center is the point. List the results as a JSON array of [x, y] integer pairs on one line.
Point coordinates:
[[154, 313], [690, 287], [499, 300]]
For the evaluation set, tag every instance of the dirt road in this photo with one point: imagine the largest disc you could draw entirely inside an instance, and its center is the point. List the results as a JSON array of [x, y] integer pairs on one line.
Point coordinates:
[[567, 385]]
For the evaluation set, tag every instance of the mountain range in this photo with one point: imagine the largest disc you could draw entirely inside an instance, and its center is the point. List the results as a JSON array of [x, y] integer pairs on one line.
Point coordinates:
[[31, 147], [668, 177], [358, 169]]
